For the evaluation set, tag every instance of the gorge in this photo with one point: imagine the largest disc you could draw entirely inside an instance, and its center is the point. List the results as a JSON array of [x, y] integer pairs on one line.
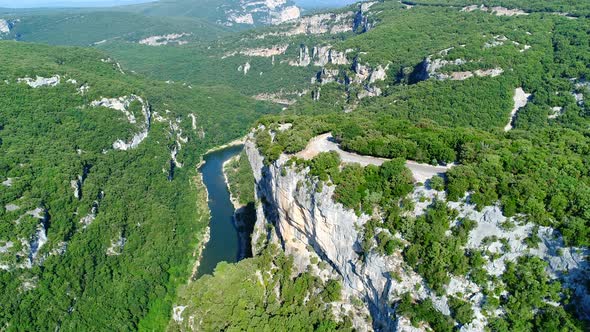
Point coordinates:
[[223, 242]]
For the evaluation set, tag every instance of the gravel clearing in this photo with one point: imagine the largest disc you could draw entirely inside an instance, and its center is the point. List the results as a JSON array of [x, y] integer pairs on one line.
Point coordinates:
[[326, 143]]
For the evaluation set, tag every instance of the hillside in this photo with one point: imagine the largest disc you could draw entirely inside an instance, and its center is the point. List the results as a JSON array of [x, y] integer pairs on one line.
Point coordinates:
[[468, 209], [232, 13], [429, 169], [63, 27], [102, 209]]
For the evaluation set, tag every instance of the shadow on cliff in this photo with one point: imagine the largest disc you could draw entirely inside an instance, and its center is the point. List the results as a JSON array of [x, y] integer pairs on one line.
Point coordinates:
[[244, 220]]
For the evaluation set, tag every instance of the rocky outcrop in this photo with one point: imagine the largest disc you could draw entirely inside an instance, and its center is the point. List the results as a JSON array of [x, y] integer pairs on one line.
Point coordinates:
[[319, 56], [304, 58], [116, 247], [309, 224], [361, 20], [264, 52], [77, 183], [285, 14], [245, 68], [326, 76], [173, 38], [122, 104], [41, 81], [327, 23], [432, 68], [281, 97], [252, 12], [30, 245], [176, 133], [369, 91], [358, 21], [89, 218], [294, 211], [498, 11], [358, 74], [6, 25], [521, 99]]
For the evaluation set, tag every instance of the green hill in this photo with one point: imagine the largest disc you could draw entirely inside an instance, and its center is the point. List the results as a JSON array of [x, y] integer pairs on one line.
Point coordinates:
[[85, 28], [95, 237]]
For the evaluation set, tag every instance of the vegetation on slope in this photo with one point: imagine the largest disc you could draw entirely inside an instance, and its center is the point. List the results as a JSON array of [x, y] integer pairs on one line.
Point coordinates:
[[121, 270], [259, 294], [241, 179], [85, 28]]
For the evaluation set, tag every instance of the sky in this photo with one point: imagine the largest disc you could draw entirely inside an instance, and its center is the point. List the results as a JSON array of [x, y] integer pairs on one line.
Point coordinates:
[[65, 3], [106, 3]]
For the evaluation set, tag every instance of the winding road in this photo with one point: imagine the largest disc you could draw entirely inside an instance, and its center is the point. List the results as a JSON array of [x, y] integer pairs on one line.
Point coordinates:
[[326, 143]]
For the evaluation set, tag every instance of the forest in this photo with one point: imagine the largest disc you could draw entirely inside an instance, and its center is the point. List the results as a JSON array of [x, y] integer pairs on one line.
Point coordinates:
[[249, 301], [120, 269], [539, 170], [117, 252]]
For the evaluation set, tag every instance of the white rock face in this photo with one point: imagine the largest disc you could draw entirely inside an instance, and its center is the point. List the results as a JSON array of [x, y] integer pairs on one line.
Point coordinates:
[[116, 246], [89, 218], [245, 68], [8, 182], [521, 99], [369, 91], [308, 223], [281, 97], [431, 68], [327, 23], [262, 11], [41, 81], [122, 104], [173, 38], [316, 221], [77, 186], [177, 313], [319, 56], [265, 52], [287, 14], [379, 74], [6, 26], [241, 19], [306, 218], [11, 207], [555, 112], [498, 11], [193, 121]]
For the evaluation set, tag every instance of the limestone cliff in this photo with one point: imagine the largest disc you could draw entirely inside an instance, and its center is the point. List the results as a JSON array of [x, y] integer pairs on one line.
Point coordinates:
[[309, 224], [298, 213]]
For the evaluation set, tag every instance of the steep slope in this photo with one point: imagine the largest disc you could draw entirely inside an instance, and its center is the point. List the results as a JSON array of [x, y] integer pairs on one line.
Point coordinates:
[[414, 193], [100, 205], [65, 27], [239, 13]]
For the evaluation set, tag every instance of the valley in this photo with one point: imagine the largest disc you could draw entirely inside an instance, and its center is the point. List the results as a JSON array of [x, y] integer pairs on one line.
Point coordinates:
[[209, 165]]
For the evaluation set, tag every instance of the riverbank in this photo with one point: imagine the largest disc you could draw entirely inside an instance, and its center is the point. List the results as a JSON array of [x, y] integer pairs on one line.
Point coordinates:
[[236, 142], [206, 236], [201, 184], [235, 201], [224, 239], [240, 184]]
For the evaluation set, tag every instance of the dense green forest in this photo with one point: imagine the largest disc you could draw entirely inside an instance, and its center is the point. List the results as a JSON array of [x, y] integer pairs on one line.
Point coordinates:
[[244, 297], [241, 179], [93, 237], [560, 6], [59, 28], [539, 170], [120, 268]]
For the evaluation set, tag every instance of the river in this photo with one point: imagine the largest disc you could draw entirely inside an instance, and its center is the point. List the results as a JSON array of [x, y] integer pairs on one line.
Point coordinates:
[[224, 242]]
